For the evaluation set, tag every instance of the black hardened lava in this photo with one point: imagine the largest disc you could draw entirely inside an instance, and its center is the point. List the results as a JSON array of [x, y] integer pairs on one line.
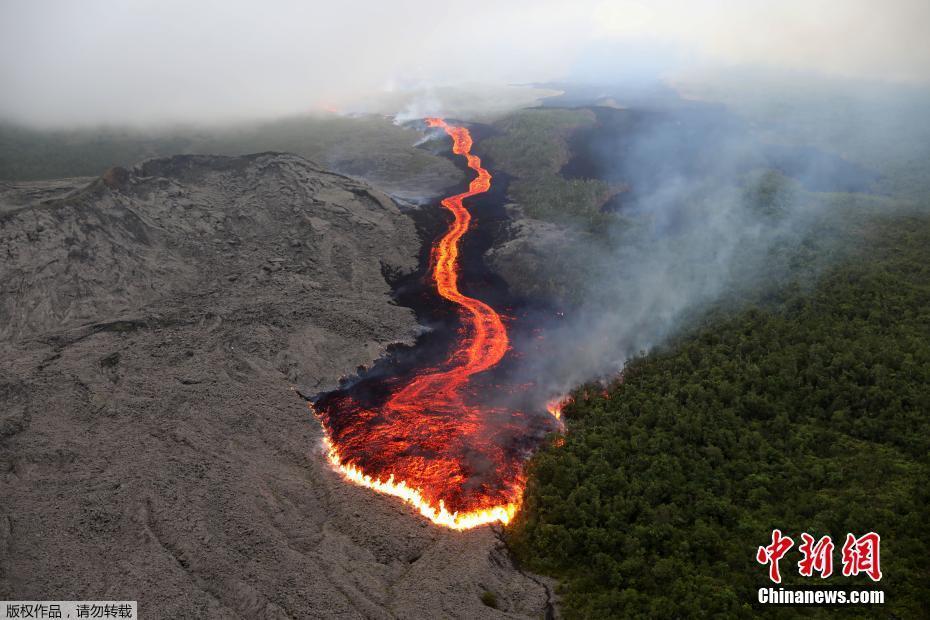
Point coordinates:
[[525, 318]]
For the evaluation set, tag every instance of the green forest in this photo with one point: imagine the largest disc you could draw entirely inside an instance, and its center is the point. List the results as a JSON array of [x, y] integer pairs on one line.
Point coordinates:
[[531, 145], [803, 409]]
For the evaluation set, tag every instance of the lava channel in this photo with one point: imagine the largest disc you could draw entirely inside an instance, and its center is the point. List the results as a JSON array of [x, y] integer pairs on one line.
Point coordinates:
[[456, 461]]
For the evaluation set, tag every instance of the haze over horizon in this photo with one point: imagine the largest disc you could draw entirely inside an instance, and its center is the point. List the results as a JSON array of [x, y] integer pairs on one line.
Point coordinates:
[[150, 62]]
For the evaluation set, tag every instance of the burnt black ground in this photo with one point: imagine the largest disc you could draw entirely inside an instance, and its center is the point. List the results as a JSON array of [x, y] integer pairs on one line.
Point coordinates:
[[526, 318], [657, 137]]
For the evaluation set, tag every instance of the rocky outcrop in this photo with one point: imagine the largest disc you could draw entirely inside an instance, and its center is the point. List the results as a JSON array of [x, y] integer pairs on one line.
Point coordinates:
[[543, 260], [155, 327], [17, 194]]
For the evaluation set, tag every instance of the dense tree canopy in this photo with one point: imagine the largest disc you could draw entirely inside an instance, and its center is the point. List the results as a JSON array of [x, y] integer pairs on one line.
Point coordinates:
[[808, 414]]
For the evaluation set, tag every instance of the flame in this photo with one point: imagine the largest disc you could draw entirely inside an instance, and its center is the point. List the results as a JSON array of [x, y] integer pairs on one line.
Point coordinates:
[[437, 514], [554, 407], [427, 444]]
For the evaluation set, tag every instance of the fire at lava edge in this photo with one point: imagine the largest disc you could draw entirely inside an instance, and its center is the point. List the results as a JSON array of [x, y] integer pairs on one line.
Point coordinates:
[[416, 446]]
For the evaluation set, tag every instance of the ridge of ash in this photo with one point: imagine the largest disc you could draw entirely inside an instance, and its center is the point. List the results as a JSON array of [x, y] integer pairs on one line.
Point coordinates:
[[153, 323]]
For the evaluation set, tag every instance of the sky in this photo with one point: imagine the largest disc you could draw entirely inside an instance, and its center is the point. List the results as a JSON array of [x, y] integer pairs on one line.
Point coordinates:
[[64, 62]]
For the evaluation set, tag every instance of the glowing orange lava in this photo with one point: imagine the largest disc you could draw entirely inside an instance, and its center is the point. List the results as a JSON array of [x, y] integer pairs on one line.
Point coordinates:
[[429, 444]]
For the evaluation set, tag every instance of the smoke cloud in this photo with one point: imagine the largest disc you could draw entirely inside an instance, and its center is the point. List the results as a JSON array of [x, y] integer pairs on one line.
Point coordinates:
[[720, 210]]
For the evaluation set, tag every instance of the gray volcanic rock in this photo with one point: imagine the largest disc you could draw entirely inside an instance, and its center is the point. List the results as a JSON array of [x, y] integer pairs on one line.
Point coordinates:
[[15, 194], [542, 259], [155, 326]]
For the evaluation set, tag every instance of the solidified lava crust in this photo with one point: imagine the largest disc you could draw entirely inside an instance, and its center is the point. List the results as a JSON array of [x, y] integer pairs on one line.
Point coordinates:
[[433, 438]]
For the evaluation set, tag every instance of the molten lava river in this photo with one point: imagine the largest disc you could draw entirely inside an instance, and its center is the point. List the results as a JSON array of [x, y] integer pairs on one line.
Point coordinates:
[[433, 440]]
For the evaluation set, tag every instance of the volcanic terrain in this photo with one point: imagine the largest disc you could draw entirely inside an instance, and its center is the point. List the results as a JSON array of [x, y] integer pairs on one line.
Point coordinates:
[[155, 324]]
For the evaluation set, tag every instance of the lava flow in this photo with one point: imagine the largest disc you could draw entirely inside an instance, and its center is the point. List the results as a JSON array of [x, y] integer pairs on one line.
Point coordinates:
[[459, 463]]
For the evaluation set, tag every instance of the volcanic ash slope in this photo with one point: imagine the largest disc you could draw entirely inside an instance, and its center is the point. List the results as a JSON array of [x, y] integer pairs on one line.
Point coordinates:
[[153, 325]]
